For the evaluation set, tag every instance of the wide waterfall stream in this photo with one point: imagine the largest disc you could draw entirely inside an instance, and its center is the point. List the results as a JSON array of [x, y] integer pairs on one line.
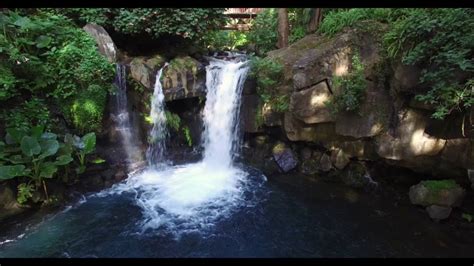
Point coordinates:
[[220, 208]]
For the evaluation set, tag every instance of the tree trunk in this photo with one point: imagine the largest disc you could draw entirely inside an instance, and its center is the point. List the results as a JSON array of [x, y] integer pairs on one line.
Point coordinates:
[[315, 20], [283, 28]]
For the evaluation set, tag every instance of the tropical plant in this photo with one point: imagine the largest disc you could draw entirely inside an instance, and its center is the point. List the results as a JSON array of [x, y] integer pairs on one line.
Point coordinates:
[[34, 153], [82, 146]]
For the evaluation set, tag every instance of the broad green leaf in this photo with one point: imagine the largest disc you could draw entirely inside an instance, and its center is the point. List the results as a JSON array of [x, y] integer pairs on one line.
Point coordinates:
[[23, 22], [30, 146], [63, 160], [43, 41], [14, 135], [98, 161], [16, 159], [49, 135], [48, 170], [48, 148], [37, 131], [11, 171], [89, 142]]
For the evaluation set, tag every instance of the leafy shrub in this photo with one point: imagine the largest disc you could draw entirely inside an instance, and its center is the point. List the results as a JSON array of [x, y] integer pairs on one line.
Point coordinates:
[[32, 112], [87, 109], [335, 21], [34, 154], [48, 58], [264, 31], [268, 74], [441, 41], [190, 23], [224, 40], [352, 86], [82, 146]]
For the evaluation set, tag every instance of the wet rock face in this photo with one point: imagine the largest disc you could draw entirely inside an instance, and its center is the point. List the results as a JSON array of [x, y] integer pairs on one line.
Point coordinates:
[[105, 44], [249, 111], [144, 69], [437, 192], [284, 157]]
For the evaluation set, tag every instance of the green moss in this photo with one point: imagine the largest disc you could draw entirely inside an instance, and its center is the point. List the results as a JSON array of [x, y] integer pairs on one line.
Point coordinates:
[[437, 185], [182, 64]]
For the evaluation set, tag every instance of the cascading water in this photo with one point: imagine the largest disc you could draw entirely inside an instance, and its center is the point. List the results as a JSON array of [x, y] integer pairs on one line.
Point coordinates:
[[122, 118], [193, 195], [159, 133]]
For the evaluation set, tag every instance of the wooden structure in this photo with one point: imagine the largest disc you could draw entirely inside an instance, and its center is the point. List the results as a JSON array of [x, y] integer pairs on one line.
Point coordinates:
[[241, 18]]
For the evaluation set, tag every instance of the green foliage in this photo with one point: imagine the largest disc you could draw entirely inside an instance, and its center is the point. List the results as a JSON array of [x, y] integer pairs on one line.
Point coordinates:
[[87, 109], [352, 87], [25, 192], [268, 73], [335, 21], [468, 217], [437, 185], [173, 120], [190, 23], [224, 40], [441, 42], [46, 57], [187, 135], [82, 147], [32, 112], [264, 31], [32, 153]]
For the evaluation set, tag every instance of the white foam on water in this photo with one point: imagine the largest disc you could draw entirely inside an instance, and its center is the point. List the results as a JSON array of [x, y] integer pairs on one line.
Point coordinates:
[[191, 197]]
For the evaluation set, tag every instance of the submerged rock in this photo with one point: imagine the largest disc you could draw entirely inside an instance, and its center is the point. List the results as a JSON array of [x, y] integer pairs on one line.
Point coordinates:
[[437, 212], [325, 163], [437, 192], [284, 157]]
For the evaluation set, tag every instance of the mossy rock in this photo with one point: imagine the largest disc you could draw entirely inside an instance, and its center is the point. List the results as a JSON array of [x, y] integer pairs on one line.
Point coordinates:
[[437, 192]]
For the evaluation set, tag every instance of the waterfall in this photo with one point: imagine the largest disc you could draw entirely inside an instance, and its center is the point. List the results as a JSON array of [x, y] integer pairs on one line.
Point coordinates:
[[194, 195], [224, 82], [122, 118], [159, 133]]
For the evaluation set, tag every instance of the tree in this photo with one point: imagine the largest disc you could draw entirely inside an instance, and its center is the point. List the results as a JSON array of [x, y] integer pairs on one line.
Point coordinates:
[[315, 19], [283, 28]]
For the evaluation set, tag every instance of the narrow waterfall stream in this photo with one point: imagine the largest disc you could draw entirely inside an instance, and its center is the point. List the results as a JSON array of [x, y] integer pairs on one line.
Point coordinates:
[[220, 208], [159, 133], [122, 118]]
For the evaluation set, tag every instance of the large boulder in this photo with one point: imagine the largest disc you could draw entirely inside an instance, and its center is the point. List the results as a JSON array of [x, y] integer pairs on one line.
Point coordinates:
[[271, 117], [297, 130], [144, 69], [458, 152], [284, 157], [185, 77], [372, 117], [409, 139], [309, 105], [405, 77], [8, 204], [438, 213], [437, 192], [105, 44]]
